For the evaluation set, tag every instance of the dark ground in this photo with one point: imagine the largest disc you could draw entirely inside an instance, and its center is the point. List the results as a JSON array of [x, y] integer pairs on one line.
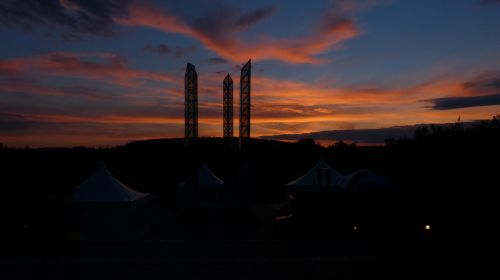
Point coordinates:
[[225, 259], [444, 176]]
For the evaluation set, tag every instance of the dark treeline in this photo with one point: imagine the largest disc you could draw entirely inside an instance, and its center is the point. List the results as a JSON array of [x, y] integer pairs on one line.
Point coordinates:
[[440, 173]]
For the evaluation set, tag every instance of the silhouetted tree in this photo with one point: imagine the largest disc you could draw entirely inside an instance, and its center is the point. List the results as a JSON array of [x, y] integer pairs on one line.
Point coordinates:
[[308, 142]]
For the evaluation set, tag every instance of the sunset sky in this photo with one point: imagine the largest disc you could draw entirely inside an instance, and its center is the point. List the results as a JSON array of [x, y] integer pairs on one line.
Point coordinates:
[[106, 72]]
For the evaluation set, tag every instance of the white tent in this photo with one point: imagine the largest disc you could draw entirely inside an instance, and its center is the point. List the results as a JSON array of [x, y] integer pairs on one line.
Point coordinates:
[[367, 180], [210, 189], [208, 179], [103, 187], [103, 208], [321, 177], [348, 179], [207, 190]]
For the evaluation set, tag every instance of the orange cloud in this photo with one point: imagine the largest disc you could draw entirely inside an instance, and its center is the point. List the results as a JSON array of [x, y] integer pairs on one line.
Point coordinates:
[[334, 29], [279, 106], [9, 67], [111, 68]]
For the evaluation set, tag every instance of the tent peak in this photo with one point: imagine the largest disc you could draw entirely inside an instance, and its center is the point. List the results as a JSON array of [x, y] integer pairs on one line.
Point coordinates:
[[102, 186]]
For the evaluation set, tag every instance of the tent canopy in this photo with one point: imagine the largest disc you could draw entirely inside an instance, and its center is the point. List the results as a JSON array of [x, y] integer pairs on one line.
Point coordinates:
[[203, 188], [322, 176], [206, 177], [366, 179], [102, 186]]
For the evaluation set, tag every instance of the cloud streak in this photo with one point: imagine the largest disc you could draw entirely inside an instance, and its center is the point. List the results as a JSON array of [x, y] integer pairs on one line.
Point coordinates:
[[161, 49], [217, 60], [107, 67], [77, 16], [365, 136], [481, 90], [250, 18], [484, 83], [464, 102], [14, 85], [217, 32], [362, 136], [220, 32], [489, 2], [19, 131]]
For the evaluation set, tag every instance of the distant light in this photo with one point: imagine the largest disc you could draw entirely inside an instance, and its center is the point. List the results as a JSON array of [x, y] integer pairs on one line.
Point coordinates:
[[281, 218], [427, 227], [25, 226], [355, 228]]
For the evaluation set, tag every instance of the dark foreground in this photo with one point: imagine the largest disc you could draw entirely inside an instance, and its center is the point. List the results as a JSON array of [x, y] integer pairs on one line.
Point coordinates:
[[445, 177], [237, 259]]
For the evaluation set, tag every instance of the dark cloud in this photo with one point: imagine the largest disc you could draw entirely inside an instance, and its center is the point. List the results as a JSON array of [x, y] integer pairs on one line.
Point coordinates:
[[371, 136], [107, 67], [77, 16], [218, 60], [285, 127], [449, 103], [489, 2], [68, 62], [484, 90], [367, 136], [485, 83], [252, 17], [70, 37], [87, 92], [333, 22], [218, 32], [25, 85], [14, 127], [218, 26], [161, 49], [273, 110], [215, 26], [96, 110], [181, 52], [8, 68], [238, 67], [12, 123]]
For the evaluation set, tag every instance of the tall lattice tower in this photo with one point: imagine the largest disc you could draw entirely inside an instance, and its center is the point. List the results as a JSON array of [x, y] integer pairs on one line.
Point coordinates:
[[227, 114], [245, 101], [190, 103]]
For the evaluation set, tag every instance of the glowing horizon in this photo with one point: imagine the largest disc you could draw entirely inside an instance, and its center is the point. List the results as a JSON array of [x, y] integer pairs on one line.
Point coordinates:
[[111, 72]]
